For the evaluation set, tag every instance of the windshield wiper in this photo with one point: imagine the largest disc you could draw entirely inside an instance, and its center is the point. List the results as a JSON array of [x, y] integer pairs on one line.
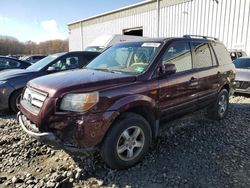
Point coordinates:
[[107, 70]]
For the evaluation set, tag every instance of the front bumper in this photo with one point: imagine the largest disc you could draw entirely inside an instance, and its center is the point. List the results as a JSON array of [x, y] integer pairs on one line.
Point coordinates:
[[47, 137], [66, 130]]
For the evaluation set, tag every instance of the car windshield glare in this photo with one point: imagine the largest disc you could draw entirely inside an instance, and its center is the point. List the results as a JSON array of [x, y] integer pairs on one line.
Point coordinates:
[[39, 65], [130, 58], [242, 63]]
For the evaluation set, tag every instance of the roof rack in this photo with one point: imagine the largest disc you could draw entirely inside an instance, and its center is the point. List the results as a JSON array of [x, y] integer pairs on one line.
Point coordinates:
[[200, 36]]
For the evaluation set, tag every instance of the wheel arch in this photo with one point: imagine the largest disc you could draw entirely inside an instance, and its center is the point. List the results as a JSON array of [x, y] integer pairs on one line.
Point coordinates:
[[11, 95], [225, 86], [141, 105]]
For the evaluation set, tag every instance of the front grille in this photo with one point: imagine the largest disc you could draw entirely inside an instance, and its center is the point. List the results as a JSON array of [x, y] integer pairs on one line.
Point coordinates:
[[243, 85], [34, 98]]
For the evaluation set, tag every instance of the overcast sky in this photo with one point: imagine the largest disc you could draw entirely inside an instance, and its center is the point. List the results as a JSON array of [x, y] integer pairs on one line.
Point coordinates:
[[40, 20]]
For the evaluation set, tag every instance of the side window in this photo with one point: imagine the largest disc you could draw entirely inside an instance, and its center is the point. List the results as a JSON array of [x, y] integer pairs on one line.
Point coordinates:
[[239, 54], [13, 64], [202, 55], [222, 54], [66, 63], [8, 63], [179, 54], [3, 63]]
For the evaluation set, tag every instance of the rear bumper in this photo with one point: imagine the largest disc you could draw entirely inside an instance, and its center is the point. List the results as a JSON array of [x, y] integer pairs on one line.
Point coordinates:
[[47, 137]]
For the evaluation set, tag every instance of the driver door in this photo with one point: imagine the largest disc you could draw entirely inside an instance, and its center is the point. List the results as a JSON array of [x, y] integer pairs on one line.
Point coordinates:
[[178, 91]]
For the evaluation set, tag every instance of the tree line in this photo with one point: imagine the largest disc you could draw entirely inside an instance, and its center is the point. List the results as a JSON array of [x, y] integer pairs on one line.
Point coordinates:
[[11, 46]]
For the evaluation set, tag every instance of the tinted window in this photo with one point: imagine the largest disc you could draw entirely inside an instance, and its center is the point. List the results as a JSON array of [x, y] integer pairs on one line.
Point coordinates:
[[179, 54], [8, 63], [202, 55], [44, 62], [239, 54], [242, 63], [222, 54], [66, 63]]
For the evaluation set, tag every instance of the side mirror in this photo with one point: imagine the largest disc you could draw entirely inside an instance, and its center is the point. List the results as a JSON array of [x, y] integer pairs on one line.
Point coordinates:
[[51, 69], [168, 69]]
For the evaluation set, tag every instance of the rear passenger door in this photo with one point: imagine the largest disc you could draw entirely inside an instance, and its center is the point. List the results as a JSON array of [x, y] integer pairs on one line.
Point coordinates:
[[208, 72], [178, 92]]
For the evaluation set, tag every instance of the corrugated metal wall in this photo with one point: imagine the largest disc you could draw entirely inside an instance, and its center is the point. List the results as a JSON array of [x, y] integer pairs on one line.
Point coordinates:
[[228, 20], [146, 20]]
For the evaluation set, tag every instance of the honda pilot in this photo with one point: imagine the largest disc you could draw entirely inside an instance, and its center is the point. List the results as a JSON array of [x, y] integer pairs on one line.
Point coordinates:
[[115, 104]]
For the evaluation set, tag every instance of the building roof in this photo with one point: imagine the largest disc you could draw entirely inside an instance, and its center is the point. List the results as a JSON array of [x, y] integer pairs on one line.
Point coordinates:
[[114, 11]]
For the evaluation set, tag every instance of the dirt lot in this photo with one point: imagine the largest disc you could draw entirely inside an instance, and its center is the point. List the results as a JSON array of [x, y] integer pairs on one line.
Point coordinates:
[[192, 151]]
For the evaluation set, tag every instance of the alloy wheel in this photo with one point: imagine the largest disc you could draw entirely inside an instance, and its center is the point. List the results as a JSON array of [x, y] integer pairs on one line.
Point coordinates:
[[222, 105], [130, 143]]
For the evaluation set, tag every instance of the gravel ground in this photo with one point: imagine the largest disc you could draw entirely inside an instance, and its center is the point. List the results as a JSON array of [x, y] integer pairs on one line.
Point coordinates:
[[191, 151]]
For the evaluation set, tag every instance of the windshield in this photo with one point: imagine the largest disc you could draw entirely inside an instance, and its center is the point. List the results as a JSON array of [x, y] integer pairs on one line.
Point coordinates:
[[242, 63], [39, 65], [94, 49], [130, 58]]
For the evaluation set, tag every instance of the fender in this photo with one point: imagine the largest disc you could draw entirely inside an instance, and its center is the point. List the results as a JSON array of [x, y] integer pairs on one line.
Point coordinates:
[[141, 101], [132, 101]]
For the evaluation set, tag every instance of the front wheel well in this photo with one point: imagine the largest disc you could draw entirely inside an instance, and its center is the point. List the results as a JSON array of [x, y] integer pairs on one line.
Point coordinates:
[[149, 115], [226, 86], [11, 95]]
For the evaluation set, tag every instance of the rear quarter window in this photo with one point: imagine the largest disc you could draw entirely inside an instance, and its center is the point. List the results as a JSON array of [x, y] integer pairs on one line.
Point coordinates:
[[221, 53]]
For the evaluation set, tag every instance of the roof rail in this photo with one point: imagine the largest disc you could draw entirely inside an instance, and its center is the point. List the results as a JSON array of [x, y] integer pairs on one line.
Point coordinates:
[[200, 36]]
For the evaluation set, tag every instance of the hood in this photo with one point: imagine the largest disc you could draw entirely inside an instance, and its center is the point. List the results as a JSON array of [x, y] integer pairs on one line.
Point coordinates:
[[82, 80], [13, 73], [243, 74]]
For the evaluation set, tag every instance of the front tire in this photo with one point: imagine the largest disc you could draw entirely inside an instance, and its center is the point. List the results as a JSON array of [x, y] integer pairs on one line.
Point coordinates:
[[126, 142], [15, 101], [219, 109]]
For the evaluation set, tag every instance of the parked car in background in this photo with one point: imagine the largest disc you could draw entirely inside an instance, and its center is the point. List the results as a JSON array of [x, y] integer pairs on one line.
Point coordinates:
[[116, 103], [13, 81], [242, 75], [11, 63], [105, 41], [235, 54], [14, 56], [33, 58]]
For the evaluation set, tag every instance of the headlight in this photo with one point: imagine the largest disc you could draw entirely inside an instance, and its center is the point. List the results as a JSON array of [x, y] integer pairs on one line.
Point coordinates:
[[79, 102]]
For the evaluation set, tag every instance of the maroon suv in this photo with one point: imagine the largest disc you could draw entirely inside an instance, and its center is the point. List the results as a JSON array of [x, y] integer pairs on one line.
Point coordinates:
[[115, 104]]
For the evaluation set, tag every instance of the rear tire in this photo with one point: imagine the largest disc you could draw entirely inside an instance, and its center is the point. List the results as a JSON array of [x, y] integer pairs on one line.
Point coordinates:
[[126, 142], [15, 101], [219, 108]]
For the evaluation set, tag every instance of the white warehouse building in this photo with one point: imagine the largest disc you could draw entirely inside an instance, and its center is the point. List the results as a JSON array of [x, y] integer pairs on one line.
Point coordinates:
[[227, 20]]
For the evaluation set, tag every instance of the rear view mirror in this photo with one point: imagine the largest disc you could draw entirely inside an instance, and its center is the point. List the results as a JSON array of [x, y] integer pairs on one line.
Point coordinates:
[[168, 69]]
